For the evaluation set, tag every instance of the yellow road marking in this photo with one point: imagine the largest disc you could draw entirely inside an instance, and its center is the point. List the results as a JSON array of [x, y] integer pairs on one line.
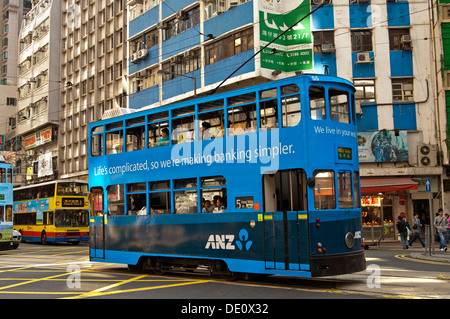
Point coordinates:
[[93, 294], [404, 257]]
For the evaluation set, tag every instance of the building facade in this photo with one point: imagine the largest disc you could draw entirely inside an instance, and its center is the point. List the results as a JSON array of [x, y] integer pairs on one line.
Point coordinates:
[[180, 49], [38, 84], [93, 71]]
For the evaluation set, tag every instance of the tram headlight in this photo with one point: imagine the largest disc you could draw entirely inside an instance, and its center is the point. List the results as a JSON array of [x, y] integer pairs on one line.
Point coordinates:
[[349, 240]]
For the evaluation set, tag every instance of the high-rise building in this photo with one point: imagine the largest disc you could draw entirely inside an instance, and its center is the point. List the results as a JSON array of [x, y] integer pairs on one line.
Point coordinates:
[[93, 74], [38, 80]]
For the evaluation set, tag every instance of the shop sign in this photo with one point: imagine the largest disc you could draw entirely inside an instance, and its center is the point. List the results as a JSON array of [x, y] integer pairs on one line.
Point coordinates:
[[371, 201], [38, 138]]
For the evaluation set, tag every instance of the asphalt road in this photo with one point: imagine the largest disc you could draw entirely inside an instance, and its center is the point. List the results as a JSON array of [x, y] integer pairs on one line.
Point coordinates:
[[64, 271]]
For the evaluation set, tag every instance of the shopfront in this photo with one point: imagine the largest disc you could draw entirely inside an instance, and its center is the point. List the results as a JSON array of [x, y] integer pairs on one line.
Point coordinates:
[[382, 201]]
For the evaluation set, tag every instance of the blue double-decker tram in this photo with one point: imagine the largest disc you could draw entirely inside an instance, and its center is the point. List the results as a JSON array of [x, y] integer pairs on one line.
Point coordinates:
[[261, 180]]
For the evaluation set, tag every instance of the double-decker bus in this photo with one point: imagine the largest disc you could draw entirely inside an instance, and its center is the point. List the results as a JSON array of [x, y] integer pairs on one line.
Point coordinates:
[[6, 201], [56, 211], [261, 180]]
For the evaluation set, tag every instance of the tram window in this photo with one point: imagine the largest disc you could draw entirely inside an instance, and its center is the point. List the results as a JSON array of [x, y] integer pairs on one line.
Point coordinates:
[[356, 189], [155, 134], [268, 114], [97, 201], [268, 94], [158, 117], [2, 213], [213, 181], [2, 175], [186, 201], [210, 125], [136, 204], [241, 99], [97, 141], [136, 121], [160, 203], [291, 110], [183, 130], [345, 193], [161, 185], [183, 111], [10, 175], [186, 183], [208, 106], [114, 126], [135, 138], [317, 103], [114, 142], [339, 106], [324, 190], [159, 197], [290, 89], [242, 119], [115, 200], [136, 188]]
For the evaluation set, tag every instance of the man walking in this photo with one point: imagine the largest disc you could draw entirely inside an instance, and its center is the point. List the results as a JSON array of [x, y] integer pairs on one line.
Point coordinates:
[[416, 228], [441, 226]]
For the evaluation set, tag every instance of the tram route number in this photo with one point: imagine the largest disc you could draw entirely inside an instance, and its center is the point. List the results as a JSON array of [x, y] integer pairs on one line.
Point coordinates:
[[234, 308]]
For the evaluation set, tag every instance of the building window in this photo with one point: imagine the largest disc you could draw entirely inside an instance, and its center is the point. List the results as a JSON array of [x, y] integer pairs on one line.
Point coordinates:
[[323, 41], [399, 39], [402, 90], [185, 20], [361, 40], [180, 65], [365, 90], [234, 44]]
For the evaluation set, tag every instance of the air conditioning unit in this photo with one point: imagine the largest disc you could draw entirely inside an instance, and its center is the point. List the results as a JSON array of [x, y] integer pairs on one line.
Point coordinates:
[[363, 58], [234, 3], [445, 12], [328, 48], [142, 53], [427, 155], [405, 41], [134, 57]]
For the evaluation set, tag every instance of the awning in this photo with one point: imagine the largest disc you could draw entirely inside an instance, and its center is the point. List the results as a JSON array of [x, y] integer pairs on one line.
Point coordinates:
[[387, 184]]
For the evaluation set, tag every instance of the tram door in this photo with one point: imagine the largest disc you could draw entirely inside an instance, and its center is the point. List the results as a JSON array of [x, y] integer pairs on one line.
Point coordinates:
[[97, 224], [97, 237], [286, 220]]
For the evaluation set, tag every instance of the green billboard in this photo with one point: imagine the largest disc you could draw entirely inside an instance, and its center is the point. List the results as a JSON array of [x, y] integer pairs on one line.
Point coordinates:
[[293, 50]]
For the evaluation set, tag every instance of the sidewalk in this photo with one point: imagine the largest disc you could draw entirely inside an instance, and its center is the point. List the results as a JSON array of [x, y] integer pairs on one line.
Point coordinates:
[[417, 251]]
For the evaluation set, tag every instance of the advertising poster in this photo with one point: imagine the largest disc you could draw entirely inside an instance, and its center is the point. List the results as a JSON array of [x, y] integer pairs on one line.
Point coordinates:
[[383, 146]]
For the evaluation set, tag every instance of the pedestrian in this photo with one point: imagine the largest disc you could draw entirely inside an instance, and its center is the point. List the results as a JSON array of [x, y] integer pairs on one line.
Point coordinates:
[[441, 226], [448, 228], [416, 228], [403, 231]]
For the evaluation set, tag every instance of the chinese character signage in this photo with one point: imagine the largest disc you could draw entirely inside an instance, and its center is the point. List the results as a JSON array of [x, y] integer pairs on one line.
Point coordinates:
[[293, 51]]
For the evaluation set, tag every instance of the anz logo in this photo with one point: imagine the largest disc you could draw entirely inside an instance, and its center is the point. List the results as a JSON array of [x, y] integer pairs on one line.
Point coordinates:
[[227, 242]]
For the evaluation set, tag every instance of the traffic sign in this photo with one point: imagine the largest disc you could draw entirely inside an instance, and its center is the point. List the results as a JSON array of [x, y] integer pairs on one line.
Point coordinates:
[[428, 185]]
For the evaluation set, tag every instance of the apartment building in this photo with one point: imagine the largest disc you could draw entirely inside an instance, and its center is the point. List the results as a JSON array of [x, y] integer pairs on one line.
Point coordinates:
[[93, 74], [384, 47], [38, 81]]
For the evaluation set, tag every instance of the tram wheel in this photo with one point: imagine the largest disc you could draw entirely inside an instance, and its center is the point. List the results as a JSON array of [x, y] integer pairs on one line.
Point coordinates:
[[44, 238]]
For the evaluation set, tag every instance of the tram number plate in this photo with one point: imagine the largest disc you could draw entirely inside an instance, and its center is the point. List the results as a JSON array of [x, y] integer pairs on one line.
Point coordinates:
[[244, 202]]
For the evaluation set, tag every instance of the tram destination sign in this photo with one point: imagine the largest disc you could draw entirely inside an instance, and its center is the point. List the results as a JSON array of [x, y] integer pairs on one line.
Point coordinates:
[[344, 153]]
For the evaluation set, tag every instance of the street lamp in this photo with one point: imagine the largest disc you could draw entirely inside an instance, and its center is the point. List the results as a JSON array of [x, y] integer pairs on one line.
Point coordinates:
[[163, 72]]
